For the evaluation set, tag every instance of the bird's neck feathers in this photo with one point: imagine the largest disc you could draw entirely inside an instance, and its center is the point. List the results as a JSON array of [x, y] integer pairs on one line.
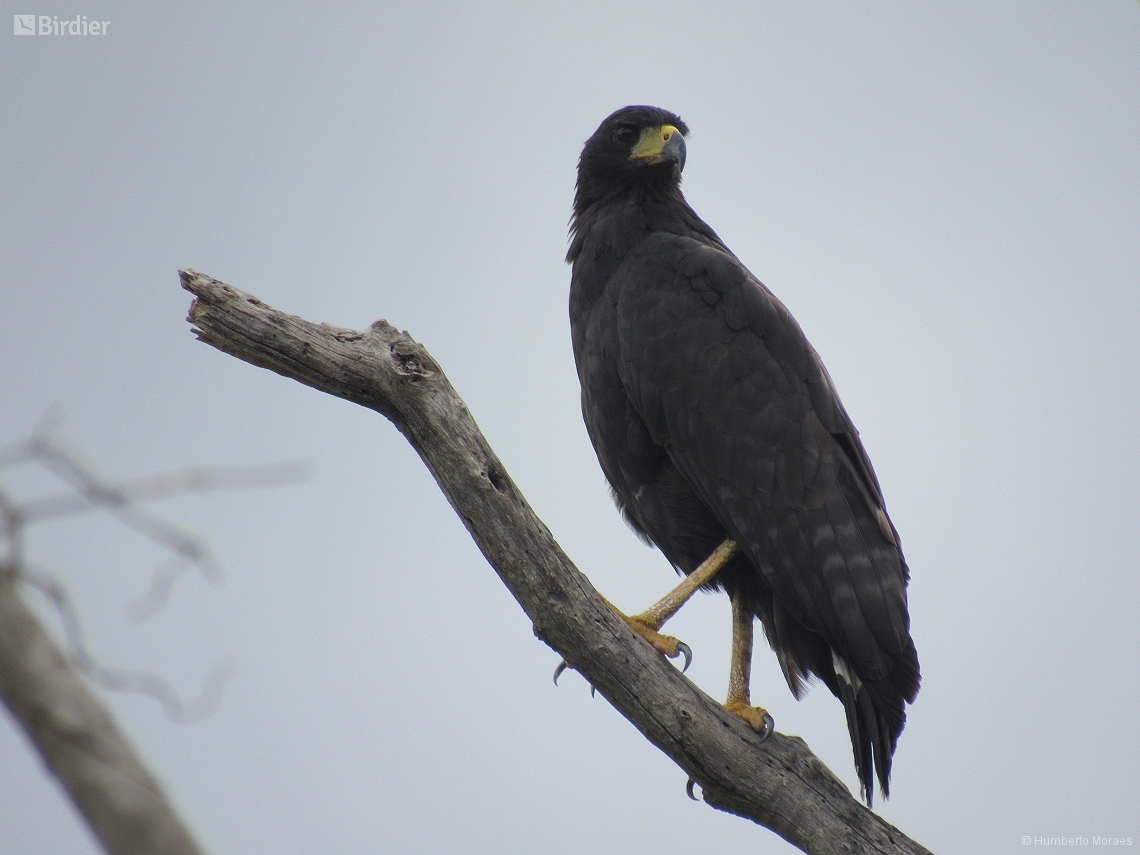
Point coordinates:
[[657, 205], [615, 223]]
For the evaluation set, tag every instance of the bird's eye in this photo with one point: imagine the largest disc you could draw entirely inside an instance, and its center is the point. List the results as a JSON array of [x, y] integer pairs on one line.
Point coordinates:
[[626, 134]]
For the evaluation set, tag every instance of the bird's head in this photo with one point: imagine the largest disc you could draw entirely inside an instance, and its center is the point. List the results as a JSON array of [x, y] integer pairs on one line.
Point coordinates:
[[634, 149]]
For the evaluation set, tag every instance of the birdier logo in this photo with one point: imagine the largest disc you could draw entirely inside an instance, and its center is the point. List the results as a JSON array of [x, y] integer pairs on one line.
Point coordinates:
[[51, 25]]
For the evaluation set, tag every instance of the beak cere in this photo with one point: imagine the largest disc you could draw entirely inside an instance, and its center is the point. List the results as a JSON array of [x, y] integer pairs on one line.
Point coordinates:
[[663, 144]]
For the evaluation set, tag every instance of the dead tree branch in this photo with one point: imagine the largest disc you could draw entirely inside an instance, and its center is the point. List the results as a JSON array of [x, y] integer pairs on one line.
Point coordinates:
[[778, 783], [79, 741]]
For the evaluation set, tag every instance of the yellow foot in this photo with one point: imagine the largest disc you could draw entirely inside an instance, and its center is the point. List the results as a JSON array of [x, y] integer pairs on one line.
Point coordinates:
[[666, 644], [645, 625], [758, 717]]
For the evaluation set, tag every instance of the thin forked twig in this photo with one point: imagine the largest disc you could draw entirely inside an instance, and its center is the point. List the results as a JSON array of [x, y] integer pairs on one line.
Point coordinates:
[[89, 492]]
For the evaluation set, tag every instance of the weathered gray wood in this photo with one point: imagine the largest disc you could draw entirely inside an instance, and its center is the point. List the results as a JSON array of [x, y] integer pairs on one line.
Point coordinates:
[[778, 783], [78, 740]]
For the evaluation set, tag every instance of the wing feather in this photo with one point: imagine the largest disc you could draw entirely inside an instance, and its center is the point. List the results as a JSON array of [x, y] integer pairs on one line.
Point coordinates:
[[724, 379]]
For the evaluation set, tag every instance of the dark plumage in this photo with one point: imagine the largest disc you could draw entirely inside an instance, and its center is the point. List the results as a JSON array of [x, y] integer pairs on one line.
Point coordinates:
[[713, 418]]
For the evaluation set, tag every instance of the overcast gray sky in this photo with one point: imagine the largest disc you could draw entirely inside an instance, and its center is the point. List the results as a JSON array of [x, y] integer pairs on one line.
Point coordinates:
[[947, 196]]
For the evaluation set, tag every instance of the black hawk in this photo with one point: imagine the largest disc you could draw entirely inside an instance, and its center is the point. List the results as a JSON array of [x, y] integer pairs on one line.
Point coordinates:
[[726, 445]]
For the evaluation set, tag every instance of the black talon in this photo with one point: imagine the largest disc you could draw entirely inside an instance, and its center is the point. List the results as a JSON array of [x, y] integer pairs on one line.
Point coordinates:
[[689, 789], [562, 666], [769, 726], [684, 650]]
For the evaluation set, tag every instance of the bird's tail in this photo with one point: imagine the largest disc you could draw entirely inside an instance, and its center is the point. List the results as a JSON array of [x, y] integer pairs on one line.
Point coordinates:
[[876, 715]]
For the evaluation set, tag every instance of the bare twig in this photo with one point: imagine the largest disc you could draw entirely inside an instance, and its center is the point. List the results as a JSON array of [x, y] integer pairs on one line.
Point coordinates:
[[192, 480], [778, 783], [92, 492], [117, 679]]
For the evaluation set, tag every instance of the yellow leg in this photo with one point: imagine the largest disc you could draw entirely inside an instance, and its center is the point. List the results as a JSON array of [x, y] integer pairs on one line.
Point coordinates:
[[740, 671], [647, 623], [655, 616]]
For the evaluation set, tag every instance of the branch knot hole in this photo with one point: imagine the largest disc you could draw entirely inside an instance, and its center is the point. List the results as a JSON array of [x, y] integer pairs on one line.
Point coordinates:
[[498, 478], [408, 360]]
